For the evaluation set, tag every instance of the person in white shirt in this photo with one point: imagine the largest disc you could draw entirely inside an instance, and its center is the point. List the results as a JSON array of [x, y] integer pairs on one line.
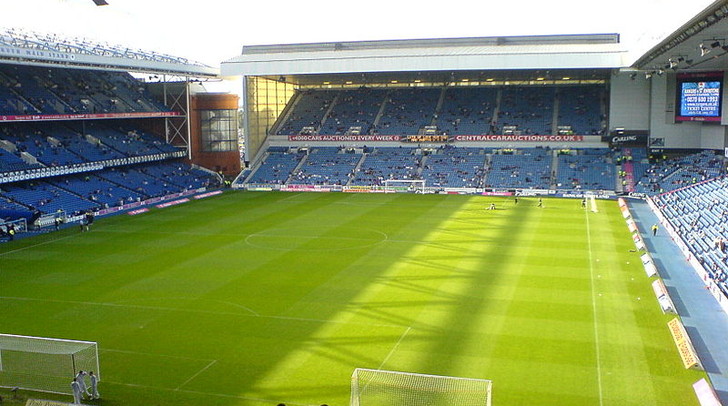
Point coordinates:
[[94, 385], [76, 392], [82, 383]]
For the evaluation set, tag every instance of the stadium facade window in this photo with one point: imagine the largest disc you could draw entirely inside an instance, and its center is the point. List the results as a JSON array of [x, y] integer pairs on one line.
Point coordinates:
[[266, 100], [219, 130]]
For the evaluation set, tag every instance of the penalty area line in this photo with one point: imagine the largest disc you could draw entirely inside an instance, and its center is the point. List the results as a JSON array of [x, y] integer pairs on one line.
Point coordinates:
[[37, 245], [394, 348], [196, 375]]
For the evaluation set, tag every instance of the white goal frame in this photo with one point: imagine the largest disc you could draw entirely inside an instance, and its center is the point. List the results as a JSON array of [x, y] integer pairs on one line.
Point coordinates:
[[592, 201], [45, 364], [411, 185], [436, 390]]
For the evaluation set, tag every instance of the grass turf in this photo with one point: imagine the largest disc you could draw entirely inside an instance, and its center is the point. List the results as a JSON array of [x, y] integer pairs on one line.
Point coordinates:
[[260, 298]]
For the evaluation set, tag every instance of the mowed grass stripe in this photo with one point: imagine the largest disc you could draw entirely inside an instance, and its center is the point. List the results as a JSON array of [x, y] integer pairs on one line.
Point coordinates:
[[432, 284]]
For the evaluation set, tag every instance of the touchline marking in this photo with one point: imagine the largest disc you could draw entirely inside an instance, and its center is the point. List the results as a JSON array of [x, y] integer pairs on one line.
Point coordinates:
[[594, 310], [173, 309], [195, 375]]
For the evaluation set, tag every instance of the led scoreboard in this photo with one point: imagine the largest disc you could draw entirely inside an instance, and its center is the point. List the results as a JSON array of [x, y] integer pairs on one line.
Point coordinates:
[[699, 96], [427, 138]]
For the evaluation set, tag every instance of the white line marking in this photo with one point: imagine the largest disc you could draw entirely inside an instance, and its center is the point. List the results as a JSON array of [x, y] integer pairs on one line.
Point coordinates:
[[194, 392], [288, 235], [37, 245], [174, 309], [195, 375], [152, 355], [594, 309], [394, 348], [246, 308]]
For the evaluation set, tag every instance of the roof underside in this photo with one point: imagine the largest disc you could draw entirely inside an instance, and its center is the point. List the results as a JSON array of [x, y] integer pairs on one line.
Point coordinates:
[[683, 47], [31, 48], [597, 51]]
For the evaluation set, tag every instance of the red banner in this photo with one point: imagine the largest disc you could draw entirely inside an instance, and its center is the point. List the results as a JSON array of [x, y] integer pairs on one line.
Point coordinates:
[[521, 138], [50, 117], [356, 138], [398, 138]]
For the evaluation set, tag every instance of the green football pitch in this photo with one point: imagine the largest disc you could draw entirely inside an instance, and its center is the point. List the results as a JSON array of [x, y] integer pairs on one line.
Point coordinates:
[[253, 298]]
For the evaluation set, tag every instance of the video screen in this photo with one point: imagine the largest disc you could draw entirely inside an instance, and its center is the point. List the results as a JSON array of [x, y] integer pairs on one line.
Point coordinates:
[[699, 97]]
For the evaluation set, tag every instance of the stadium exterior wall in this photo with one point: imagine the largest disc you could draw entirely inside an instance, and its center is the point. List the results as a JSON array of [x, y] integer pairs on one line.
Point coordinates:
[[686, 135], [408, 63], [227, 162], [629, 102]]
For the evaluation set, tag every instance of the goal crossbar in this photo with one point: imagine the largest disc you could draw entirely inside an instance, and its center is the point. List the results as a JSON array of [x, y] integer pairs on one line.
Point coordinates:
[[404, 184], [44, 364], [370, 387]]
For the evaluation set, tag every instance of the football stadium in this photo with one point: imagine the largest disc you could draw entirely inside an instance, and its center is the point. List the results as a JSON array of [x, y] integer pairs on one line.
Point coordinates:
[[496, 220]]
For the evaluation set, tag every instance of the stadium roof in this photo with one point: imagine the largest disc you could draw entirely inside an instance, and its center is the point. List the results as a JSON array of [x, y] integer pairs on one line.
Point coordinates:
[[32, 48], [593, 51], [700, 44]]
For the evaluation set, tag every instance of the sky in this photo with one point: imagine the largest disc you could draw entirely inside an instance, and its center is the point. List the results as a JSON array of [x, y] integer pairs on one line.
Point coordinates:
[[212, 31]]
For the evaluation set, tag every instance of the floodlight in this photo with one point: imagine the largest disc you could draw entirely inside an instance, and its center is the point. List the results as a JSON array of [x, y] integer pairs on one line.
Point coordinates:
[[100, 2], [704, 50]]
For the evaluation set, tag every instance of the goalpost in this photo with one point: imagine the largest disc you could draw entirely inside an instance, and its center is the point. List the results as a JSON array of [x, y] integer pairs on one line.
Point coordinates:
[[592, 203], [371, 387], [404, 185], [44, 364]]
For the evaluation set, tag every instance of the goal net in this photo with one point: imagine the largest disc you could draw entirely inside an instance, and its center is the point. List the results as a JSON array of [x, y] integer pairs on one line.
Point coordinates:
[[405, 185], [44, 364], [592, 203], [371, 387]]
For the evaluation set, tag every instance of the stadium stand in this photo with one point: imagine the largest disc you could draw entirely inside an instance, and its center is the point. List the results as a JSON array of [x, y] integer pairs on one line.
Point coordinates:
[[309, 109], [580, 108], [406, 111], [387, 163], [276, 167], [327, 166], [450, 166], [52, 165], [455, 167], [527, 168], [529, 109], [453, 110], [41, 90], [468, 111], [354, 109], [699, 214], [675, 173], [103, 189], [586, 169]]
